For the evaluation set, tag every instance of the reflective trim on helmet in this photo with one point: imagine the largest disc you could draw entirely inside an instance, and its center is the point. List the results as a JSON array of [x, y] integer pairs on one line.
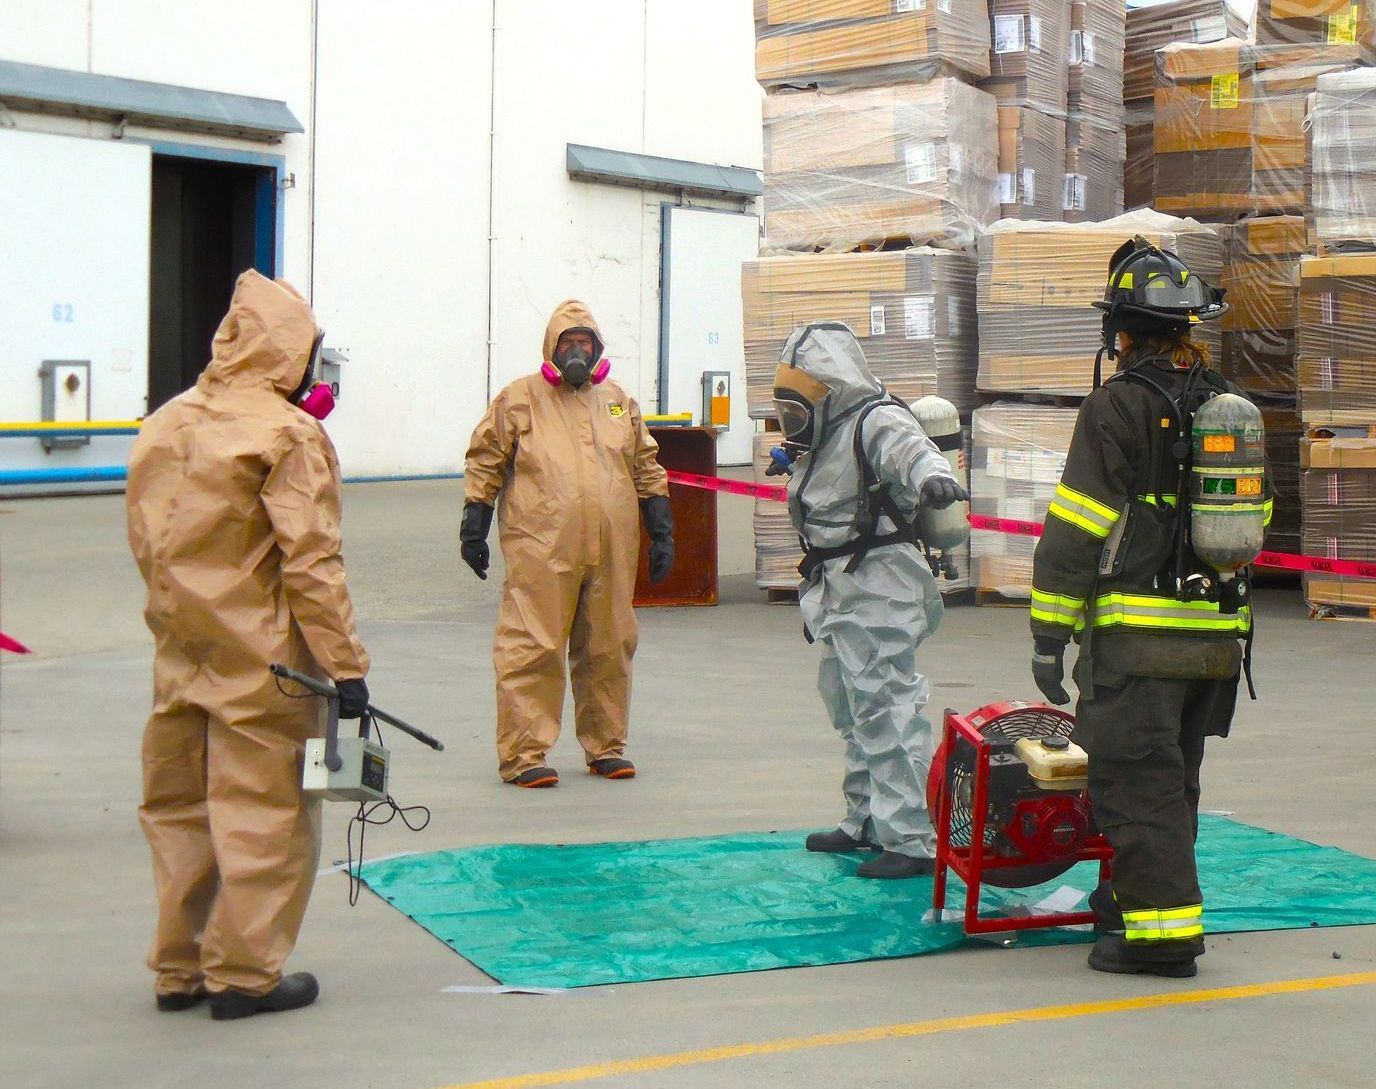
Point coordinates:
[[1082, 512]]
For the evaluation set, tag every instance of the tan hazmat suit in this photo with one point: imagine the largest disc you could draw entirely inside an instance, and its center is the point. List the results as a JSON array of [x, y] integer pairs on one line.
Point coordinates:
[[570, 466], [234, 507]]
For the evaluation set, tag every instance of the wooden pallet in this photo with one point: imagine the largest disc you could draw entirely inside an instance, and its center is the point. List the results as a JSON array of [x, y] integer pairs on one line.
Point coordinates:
[[994, 599], [1341, 612], [779, 595]]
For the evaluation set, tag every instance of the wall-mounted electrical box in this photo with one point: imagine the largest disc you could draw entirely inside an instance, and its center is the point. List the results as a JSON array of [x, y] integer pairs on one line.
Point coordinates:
[[330, 359], [716, 399], [66, 399]]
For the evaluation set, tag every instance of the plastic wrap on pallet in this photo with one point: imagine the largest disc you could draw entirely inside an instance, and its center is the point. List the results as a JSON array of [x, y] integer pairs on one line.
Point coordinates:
[[1139, 167], [1092, 189], [1337, 342], [915, 164], [1017, 453], [1031, 163], [1343, 152], [1038, 332], [1029, 43], [1338, 488], [1316, 22], [1261, 272], [1156, 26], [851, 43], [912, 310], [1230, 125]]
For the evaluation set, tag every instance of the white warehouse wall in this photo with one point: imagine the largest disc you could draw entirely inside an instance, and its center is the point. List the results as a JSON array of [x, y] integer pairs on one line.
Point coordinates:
[[389, 227]]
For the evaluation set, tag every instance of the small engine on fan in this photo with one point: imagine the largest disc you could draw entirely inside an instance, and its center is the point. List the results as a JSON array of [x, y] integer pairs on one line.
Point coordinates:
[[1007, 791]]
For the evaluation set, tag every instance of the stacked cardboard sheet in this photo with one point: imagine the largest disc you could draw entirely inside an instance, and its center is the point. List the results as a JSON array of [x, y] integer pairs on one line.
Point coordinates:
[[913, 312], [848, 43], [1030, 40], [1339, 484], [1017, 456], [1337, 342], [1261, 273], [915, 163], [1038, 329], [1316, 22], [1095, 143]]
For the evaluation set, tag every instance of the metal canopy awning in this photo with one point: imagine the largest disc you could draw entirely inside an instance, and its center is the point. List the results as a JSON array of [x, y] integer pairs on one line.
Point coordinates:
[[158, 105], [601, 164]]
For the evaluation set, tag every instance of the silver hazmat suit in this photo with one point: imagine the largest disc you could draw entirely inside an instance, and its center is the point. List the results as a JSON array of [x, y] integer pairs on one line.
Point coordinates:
[[869, 622]]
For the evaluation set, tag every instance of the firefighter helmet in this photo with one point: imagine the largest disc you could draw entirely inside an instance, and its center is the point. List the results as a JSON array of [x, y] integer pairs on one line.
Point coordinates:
[[1151, 290]]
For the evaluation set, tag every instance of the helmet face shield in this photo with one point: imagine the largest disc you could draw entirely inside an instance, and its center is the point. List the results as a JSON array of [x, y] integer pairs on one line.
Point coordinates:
[[798, 398]]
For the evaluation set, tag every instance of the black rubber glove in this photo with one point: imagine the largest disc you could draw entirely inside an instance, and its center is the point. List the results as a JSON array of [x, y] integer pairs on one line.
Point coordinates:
[[473, 531], [941, 491], [1048, 669], [659, 524], [353, 697]]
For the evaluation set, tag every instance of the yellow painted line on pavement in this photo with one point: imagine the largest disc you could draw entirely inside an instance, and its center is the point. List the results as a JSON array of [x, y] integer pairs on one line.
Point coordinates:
[[675, 1059]]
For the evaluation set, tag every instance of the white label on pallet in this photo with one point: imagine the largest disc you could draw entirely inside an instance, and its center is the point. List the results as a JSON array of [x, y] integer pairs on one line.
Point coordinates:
[[953, 322], [1328, 306], [920, 160], [1210, 29], [877, 321], [1008, 188], [1029, 187], [1089, 48], [1073, 193], [1326, 374], [943, 6], [919, 316], [1034, 34], [901, 6], [1008, 35]]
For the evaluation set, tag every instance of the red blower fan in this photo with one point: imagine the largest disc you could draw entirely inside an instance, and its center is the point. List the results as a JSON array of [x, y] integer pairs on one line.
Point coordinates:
[[1008, 791]]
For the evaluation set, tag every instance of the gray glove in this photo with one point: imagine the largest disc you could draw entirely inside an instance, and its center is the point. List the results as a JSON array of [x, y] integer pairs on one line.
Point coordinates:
[[1048, 669], [941, 491]]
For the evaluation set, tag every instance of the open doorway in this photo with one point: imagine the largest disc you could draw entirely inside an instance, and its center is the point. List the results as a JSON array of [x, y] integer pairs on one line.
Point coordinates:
[[210, 221]]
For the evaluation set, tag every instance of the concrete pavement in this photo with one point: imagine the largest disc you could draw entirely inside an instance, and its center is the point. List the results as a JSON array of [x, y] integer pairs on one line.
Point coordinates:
[[730, 736]]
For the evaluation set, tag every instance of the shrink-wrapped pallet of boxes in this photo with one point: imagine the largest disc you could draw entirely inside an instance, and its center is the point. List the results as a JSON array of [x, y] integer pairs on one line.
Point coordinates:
[[1032, 157], [1316, 22], [1038, 329], [849, 43], [1284, 433], [1150, 28], [915, 163], [1017, 453], [1095, 146], [913, 312], [1261, 273], [1337, 343], [1343, 152], [1339, 486], [1230, 130]]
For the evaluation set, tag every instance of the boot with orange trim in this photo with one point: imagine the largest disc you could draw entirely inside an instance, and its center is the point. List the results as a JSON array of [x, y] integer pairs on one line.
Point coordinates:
[[612, 767], [536, 777]]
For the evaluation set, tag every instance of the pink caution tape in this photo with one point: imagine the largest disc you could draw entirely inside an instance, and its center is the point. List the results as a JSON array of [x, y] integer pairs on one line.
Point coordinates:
[[1286, 561]]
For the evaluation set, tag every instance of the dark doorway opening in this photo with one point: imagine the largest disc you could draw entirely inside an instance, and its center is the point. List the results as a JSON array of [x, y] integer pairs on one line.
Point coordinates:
[[210, 222]]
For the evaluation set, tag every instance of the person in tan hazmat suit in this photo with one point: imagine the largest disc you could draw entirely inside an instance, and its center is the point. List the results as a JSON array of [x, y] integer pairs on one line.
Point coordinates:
[[568, 455], [234, 508]]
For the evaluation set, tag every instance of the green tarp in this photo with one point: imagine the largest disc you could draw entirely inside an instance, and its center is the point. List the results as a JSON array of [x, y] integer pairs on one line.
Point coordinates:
[[588, 914]]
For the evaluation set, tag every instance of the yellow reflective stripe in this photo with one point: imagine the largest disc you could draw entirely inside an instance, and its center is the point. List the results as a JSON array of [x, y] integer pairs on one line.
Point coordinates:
[[1164, 924], [1215, 505], [1145, 611], [1056, 608], [1124, 279], [1270, 508], [1169, 500], [1082, 512]]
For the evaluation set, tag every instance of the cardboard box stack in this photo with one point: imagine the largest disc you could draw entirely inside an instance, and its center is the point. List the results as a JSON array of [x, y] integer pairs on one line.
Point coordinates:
[[1261, 273], [1337, 376], [849, 43], [1316, 22], [1343, 153], [1030, 78], [1017, 455], [1230, 125], [1150, 28], [1038, 330], [912, 163], [1095, 146], [913, 312]]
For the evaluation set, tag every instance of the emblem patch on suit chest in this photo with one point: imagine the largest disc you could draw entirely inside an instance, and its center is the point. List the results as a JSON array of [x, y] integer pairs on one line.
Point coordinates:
[[616, 409]]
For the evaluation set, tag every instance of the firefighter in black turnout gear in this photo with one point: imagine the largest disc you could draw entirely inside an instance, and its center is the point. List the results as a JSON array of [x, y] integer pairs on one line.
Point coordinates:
[[1161, 649]]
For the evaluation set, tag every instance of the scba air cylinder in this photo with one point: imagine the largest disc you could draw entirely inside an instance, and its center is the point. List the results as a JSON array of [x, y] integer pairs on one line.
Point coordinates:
[[1228, 483], [949, 527]]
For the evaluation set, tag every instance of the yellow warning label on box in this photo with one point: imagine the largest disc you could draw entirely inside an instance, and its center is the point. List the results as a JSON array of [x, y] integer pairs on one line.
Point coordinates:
[[1223, 91], [1342, 27]]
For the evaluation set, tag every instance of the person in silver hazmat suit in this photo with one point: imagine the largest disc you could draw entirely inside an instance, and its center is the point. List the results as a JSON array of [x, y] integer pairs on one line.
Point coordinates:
[[868, 597]]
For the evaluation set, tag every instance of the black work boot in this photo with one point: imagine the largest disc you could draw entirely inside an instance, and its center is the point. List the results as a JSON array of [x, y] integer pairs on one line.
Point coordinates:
[[1111, 954], [892, 865], [534, 778], [296, 990], [837, 842], [176, 1001]]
